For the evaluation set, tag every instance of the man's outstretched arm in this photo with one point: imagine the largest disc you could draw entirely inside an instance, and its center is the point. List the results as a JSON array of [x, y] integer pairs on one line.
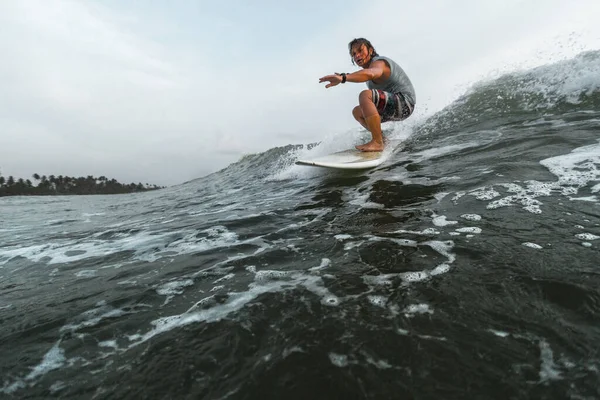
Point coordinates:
[[373, 72]]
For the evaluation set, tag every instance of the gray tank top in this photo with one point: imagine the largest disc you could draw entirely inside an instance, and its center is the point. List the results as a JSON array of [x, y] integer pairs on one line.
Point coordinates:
[[397, 82]]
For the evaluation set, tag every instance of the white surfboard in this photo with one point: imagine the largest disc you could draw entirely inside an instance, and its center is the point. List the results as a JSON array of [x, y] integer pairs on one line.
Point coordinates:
[[346, 159]]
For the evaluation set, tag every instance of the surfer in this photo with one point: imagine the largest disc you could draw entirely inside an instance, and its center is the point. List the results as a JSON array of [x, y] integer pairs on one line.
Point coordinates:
[[390, 95]]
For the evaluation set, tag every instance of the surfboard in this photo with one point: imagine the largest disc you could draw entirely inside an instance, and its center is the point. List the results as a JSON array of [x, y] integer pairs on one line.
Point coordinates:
[[346, 159]]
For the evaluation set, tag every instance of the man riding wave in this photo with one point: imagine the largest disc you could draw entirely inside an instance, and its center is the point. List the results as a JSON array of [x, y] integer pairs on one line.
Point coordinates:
[[390, 95]]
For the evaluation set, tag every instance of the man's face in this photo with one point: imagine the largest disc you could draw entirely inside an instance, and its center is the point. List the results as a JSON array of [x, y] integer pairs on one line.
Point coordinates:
[[361, 55]]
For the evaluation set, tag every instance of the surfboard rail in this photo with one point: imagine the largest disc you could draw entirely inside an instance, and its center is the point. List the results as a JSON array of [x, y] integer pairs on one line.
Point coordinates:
[[346, 159]]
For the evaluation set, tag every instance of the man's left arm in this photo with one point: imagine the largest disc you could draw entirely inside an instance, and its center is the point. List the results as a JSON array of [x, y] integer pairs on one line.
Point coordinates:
[[375, 71]]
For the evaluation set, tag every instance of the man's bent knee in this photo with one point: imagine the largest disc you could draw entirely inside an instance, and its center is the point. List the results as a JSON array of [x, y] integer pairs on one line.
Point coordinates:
[[365, 95]]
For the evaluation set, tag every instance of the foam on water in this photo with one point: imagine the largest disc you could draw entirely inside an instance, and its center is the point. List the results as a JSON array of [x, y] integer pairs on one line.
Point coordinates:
[[587, 236], [53, 359], [400, 242], [339, 360], [424, 232], [576, 169], [434, 153], [380, 364], [574, 172], [146, 246], [440, 220], [379, 301], [414, 309], [342, 237], [532, 245], [361, 199], [501, 334], [86, 273], [387, 280], [472, 229], [93, 317], [548, 368], [170, 289], [471, 217], [325, 263], [265, 281]]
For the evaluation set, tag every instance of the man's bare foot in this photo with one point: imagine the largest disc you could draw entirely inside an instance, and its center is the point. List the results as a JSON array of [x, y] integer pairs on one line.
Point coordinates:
[[371, 146]]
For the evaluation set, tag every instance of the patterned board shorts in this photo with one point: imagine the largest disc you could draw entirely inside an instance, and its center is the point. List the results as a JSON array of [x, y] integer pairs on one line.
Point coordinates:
[[391, 106]]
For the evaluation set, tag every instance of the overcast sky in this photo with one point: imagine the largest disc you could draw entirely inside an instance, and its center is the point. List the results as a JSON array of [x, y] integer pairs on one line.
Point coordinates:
[[164, 92]]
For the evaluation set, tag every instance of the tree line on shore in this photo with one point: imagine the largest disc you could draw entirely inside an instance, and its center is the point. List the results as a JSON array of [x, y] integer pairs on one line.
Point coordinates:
[[66, 185]]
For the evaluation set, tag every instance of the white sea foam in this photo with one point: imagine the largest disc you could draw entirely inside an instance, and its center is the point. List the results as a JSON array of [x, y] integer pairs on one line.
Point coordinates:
[[224, 278], [416, 276], [380, 364], [590, 199], [379, 280], [484, 193], [574, 171], [471, 229], [173, 288], [379, 301], [436, 152], [109, 344], [401, 242], [443, 248], [440, 269], [343, 237], [440, 220], [548, 368], [424, 232], [53, 359], [325, 263], [93, 317], [501, 334], [265, 281], [351, 245], [532, 245], [471, 217], [362, 200], [86, 273], [414, 309], [587, 236], [339, 360], [146, 246]]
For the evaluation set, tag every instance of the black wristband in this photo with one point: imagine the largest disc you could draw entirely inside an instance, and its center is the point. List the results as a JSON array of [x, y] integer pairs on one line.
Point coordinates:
[[343, 77]]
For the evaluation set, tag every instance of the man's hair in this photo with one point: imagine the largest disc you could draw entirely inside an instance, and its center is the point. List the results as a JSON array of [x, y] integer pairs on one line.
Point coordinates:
[[360, 42]]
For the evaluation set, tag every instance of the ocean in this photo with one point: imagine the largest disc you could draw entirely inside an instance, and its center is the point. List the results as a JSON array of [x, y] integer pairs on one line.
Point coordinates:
[[466, 266]]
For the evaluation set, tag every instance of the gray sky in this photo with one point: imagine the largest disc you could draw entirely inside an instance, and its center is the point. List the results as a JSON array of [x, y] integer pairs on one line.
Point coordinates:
[[163, 92]]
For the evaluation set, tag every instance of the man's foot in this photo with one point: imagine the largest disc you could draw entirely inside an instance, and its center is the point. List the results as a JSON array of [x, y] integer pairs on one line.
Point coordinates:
[[371, 146]]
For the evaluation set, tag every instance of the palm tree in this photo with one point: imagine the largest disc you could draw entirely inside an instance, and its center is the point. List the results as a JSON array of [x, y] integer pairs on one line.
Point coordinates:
[[11, 181], [36, 177]]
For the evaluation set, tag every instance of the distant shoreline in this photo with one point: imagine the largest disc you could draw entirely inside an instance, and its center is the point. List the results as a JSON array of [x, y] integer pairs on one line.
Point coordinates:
[[65, 185]]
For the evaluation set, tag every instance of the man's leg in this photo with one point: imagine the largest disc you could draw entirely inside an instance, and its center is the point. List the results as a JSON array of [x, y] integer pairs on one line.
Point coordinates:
[[358, 115], [372, 121]]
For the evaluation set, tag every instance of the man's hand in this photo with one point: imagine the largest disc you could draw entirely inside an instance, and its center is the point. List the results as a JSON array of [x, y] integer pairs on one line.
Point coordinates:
[[333, 80]]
